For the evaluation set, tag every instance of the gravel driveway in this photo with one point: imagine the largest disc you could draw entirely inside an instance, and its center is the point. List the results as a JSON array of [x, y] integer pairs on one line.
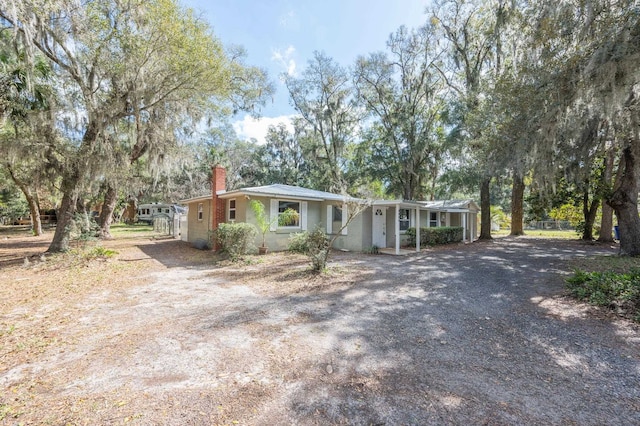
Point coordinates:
[[471, 334]]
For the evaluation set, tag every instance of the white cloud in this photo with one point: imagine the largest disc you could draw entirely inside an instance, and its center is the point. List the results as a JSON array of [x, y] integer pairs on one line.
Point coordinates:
[[285, 59], [256, 128]]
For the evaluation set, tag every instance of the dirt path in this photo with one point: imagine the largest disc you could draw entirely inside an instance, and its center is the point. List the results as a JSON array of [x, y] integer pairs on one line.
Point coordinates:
[[471, 334]]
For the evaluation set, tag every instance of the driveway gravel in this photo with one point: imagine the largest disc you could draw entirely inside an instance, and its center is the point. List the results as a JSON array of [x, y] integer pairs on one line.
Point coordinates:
[[466, 334]]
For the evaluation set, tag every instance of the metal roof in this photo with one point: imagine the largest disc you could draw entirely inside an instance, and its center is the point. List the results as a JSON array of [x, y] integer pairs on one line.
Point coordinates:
[[453, 206], [300, 193], [449, 205], [280, 190]]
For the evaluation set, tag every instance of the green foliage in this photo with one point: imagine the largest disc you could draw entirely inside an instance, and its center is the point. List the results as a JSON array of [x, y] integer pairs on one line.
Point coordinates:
[[299, 243], [12, 204], [436, 235], [235, 239], [612, 289], [314, 244], [262, 221], [499, 217], [400, 91], [100, 252], [568, 212]]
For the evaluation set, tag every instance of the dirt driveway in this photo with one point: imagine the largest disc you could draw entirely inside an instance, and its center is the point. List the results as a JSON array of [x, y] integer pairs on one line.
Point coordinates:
[[470, 334]]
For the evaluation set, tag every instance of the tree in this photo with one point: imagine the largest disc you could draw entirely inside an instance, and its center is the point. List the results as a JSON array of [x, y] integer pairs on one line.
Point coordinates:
[[588, 67], [606, 223], [24, 109], [402, 92], [472, 30], [149, 64], [281, 159], [323, 96]]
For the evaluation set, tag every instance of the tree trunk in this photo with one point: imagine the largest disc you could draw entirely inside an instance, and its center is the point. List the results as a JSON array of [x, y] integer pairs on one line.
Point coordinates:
[[70, 187], [485, 206], [32, 201], [589, 211], [606, 223], [61, 237], [106, 213], [517, 201], [129, 214], [624, 201], [34, 210]]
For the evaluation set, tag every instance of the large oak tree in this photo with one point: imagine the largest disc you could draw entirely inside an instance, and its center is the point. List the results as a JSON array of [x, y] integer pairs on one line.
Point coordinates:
[[147, 66]]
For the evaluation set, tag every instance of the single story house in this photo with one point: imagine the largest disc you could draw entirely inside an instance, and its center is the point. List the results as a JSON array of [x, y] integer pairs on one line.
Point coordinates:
[[381, 223]]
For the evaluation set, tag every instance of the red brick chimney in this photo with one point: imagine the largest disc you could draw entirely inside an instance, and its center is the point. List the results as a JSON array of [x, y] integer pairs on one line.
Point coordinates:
[[218, 183]]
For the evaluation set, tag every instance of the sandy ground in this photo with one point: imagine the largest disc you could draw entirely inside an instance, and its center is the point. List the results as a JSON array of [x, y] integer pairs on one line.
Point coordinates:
[[163, 334]]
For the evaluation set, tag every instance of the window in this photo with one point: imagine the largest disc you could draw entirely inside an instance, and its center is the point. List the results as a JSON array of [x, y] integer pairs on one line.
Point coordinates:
[[284, 206], [200, 211], [337, 214], [433, 219], [232, 210], [404, 219]]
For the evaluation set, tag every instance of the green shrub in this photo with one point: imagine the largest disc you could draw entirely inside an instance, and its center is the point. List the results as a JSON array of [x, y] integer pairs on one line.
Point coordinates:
[[235, 239], [608, 289], [314, 244], [100, 252], [436, 235], [299, 243]]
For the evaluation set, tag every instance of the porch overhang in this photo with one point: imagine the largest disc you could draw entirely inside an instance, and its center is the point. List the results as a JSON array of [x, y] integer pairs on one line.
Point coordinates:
[[417, 207]]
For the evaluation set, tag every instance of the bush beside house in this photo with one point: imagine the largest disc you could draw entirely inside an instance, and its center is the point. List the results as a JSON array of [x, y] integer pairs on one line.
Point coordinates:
[[436, 235], [236, 239]]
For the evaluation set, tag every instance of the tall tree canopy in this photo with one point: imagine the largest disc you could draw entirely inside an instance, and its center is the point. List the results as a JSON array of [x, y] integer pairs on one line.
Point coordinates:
[[129, 74], [588, 69], [402, 91], [324, 97]]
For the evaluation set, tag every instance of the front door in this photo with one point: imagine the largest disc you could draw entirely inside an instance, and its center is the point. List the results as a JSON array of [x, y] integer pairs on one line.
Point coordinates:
[[379, 227]]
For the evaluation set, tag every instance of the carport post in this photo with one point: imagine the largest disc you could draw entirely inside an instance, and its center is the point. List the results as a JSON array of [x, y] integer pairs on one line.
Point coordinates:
[[464, 227], [418, 229], [397, 229]]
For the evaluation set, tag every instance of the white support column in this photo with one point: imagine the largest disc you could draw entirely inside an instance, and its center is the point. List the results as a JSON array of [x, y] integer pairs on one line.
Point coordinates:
[[418, 229], [464, 227], [397, 226]]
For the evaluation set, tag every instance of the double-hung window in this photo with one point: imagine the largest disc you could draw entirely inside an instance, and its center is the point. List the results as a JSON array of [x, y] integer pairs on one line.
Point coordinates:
[[433, 219], [232, 210], [288, 220], [200, 211], [405, 220]]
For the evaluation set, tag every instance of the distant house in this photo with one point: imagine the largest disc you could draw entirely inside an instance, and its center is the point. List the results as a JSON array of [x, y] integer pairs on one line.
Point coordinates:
[[381, 224]]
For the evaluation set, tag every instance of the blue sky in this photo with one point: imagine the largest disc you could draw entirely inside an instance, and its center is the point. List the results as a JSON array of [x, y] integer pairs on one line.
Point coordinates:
[[281, 36]]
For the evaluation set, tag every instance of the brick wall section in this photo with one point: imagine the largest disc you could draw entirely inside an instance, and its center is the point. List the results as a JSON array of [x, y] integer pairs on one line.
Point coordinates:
[[218, 183]]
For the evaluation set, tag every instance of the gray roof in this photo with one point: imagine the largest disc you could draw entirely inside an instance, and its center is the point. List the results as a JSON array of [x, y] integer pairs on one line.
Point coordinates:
[[279, 190], [451, 204], [297, 192]]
